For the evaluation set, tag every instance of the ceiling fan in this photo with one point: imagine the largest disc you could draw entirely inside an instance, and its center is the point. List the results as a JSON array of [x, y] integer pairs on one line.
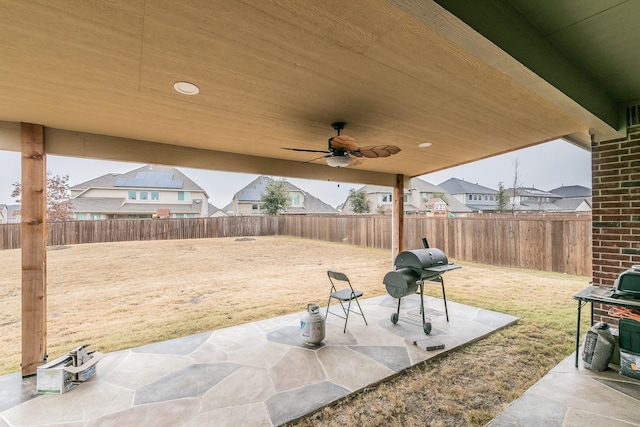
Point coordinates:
[[343, 149]]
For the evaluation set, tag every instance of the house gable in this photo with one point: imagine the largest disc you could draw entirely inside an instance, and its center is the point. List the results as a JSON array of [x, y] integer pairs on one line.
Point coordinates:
[[248, 201]]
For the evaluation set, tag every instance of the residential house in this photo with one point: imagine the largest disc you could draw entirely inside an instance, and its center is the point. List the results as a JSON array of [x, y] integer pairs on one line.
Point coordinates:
[[9, 214], [147, 192], [248, 201], [575, 198], [415, 200], [476, 197], [533, 199]]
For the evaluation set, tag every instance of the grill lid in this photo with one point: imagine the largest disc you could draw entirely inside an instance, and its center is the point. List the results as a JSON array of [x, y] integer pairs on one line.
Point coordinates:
[[419, 259]]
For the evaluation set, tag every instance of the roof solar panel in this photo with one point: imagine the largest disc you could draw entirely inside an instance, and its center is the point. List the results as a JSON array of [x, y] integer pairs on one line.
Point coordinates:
[[150, 180]]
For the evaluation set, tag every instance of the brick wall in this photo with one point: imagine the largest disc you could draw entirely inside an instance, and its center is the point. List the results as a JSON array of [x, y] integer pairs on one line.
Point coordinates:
[[616, 210]]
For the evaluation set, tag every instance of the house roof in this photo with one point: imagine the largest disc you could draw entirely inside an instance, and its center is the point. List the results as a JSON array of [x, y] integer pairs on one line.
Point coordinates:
[[534, 206], [425, 187], [455, 205], [531, 192], [572, 191], [252, 192], [483, 207], [460, 186], [474, 78], [417, 184], [145, 177], [212, 209], [572, 203], [112, 205]]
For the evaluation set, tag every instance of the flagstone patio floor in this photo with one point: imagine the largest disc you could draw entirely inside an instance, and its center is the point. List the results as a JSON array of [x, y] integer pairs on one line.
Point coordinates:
[[257, 374]]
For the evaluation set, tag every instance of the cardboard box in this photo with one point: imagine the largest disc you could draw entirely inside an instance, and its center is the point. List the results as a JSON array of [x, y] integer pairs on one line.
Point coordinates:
[[64, 373], [630, 364]]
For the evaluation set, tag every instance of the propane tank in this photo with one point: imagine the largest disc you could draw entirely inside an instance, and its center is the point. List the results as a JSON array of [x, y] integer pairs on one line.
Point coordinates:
[[598, 347], [312, 325]]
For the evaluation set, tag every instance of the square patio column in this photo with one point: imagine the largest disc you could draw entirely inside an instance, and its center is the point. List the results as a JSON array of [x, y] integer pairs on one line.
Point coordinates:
[[398, 217], [33, 243]]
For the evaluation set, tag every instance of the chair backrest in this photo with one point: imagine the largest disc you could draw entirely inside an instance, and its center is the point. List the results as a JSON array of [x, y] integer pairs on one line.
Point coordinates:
[[336, 275]]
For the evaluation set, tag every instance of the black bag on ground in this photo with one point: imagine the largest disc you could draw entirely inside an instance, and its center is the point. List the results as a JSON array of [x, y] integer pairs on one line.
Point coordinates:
[[598, 347]]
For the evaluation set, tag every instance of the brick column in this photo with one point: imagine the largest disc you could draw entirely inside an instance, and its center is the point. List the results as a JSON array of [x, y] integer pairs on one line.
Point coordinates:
[[616, 210]]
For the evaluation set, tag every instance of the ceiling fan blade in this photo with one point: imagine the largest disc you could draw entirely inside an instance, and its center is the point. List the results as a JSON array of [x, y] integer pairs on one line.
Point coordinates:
[[375, 151], [343, 142], [356, 161], [306, 151], [317, 158]]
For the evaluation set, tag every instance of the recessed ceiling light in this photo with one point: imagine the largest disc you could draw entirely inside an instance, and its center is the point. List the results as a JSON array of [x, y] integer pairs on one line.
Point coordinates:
[[425, 145], [186, 88]]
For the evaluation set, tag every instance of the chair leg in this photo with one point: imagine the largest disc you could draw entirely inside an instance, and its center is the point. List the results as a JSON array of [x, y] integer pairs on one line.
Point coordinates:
[[346, 319], [328, 304], [361, 312]]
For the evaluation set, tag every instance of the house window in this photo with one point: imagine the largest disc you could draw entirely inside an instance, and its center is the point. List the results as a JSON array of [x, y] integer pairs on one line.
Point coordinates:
[[179, 216], [155, 195], [295, 199], [144, 195], [386, 198], [191, 215], [424, 197], [184, 195], [406, 198], [95, 216], [82, 216], [470, 197], [132, 194]]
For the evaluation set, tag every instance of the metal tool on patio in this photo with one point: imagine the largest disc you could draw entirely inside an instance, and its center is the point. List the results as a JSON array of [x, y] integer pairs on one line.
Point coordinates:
[[413, 268]]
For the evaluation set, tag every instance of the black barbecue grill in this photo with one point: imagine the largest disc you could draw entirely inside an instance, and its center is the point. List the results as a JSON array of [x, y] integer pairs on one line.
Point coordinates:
[[413, 268]]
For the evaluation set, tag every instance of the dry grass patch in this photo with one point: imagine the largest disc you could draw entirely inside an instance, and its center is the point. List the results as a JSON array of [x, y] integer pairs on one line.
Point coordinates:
[[122, 295]]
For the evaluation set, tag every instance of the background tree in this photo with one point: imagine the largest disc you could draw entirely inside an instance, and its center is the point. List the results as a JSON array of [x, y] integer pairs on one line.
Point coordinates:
[[502, 199], [516, 184], [59, 206], [359, 202], [275, 198]]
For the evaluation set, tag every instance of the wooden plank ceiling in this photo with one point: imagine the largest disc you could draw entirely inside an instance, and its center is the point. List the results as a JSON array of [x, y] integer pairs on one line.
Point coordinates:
[[273, 74]]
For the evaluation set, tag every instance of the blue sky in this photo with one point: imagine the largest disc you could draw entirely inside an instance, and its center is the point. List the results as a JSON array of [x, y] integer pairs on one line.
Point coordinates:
[[545, 166]]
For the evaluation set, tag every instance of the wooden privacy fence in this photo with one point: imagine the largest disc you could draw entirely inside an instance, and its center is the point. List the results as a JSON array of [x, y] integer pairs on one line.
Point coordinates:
[[548, 244]]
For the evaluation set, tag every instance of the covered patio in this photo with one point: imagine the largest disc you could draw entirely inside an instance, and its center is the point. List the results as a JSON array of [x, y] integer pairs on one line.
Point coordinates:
[[228, 85]]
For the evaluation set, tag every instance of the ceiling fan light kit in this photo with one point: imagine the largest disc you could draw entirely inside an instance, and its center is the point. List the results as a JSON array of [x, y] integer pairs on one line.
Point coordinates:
[[338, 161]]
